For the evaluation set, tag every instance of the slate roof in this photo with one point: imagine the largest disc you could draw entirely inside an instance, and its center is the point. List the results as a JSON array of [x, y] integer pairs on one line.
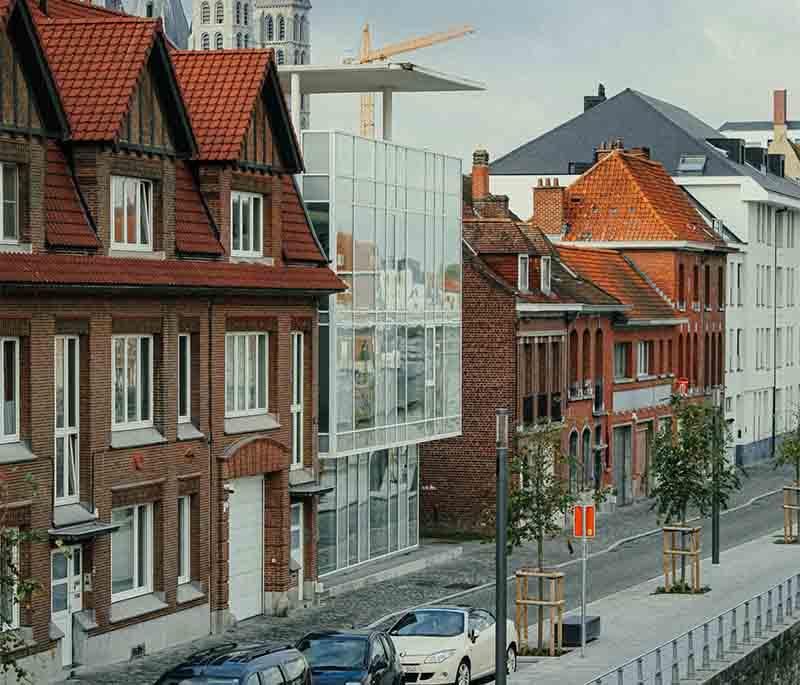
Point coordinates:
[[627, 197], [614, 274], [640, 121], [96, 64], [66, 224], [764, 124], [220, 88], [50, 269]]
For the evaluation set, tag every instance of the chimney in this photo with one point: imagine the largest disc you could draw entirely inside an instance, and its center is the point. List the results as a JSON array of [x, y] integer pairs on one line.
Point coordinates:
[[607, 147], [548, 206], [779, 107], [590, 101], [480, 175]]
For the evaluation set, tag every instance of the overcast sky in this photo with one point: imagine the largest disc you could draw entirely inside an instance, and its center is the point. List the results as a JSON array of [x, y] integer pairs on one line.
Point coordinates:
[[720, 59]]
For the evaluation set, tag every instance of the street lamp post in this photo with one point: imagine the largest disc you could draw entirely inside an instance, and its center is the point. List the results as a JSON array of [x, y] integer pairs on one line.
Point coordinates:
[[501, 570], [716, 399]]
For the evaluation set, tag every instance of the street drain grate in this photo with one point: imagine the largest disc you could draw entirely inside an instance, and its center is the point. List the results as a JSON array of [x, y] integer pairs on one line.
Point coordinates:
[[460, 586]]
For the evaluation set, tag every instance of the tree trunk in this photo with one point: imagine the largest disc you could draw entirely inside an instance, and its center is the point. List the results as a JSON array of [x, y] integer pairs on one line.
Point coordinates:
[[540, 612]]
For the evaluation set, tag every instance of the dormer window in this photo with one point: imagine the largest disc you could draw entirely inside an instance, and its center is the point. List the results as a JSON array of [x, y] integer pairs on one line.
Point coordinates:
[[9, 202], [131, 213], [544, 276], [522, 272], [246, 224]]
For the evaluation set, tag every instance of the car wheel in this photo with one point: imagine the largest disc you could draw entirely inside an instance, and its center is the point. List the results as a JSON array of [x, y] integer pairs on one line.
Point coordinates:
[[463, 675], [511, 660]]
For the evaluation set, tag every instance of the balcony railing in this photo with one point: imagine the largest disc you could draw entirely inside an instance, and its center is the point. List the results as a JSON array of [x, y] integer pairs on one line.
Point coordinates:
[[721, 636]]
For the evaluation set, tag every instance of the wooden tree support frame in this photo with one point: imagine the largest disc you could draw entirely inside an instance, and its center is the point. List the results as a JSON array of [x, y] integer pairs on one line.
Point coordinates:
[[672, 552], [791, 505], [554, 588]]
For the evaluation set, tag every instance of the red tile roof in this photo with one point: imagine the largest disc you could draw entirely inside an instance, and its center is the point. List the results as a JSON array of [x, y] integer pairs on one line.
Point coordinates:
[[66, 224], [220, 88], [71, 9], [194, 233], [96, 64], [298, 242], [73, 270], [626, 197], [497, 236], [609, 270]]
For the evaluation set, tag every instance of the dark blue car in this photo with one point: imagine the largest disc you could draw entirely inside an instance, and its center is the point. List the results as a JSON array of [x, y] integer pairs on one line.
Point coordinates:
[[241, 664], [351, 657]]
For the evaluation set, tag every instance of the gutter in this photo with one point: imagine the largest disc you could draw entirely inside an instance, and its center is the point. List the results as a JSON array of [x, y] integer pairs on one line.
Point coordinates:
[[530, 307], [653, 322]]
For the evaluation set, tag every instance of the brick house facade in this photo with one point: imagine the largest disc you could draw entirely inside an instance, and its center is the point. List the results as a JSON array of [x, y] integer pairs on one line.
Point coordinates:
[[596, 346], [158, 352]]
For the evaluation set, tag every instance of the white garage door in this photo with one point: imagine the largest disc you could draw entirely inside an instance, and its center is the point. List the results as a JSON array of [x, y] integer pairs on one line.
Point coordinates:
[[246, 542]]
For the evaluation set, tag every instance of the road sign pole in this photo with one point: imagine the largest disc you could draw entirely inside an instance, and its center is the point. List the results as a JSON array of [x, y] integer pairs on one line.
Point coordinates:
[[583, 597]]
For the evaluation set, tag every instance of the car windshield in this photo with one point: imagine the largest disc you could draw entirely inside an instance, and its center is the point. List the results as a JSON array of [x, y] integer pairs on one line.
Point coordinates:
[[430, 624], [199, 680], [334, 653]]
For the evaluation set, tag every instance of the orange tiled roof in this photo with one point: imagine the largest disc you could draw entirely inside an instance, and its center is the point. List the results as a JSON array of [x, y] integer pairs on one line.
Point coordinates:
[[72, 9], [66, 224], [194, 232], [629, 198], [609, 270], [298, 243], [220, 89], [96, 64], [74, 270]]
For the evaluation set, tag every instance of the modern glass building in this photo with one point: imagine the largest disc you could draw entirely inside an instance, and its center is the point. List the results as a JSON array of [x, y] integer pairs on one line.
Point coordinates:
[[390, 347]]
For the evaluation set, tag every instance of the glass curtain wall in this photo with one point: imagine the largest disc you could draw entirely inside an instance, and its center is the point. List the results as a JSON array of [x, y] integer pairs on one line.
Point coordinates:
[[389, 218]]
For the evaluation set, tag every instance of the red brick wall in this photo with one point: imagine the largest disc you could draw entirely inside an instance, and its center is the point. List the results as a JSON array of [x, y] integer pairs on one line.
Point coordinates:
[[457, 476]]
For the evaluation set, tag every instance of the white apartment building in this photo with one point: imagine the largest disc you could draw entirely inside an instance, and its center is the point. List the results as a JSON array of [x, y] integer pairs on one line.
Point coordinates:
[[755, 211]]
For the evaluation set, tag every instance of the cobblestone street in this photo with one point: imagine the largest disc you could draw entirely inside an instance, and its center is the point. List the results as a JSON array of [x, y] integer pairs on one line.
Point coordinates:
[[473, 569]]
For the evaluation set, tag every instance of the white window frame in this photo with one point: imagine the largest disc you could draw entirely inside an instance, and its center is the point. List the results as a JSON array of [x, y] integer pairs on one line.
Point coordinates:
[[69, 434], [139, 422], [185, 539], [643, 359], [185, 339], [625, 346], [232, 339], [12, 588], [9, 437], [258, 217], [545, 275], [523, 272], [145, 587], [298, 397], [4, 167], [138, 182]]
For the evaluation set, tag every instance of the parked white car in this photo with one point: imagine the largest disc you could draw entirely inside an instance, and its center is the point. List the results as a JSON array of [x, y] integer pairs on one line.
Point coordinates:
[[450, 645]]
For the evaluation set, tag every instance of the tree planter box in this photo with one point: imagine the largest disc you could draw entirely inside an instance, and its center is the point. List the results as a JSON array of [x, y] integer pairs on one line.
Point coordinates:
[[572, 630]]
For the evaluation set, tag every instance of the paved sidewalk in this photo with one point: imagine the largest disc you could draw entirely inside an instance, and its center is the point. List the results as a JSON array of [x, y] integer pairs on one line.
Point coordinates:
[[635, 620]]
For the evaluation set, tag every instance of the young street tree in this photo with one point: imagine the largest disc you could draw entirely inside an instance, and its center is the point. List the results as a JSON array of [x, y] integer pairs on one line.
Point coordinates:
[[690, 464], [788, 454], [539, 496]]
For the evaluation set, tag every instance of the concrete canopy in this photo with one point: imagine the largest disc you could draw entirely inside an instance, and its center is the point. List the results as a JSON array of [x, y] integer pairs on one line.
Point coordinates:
[[398, 77]]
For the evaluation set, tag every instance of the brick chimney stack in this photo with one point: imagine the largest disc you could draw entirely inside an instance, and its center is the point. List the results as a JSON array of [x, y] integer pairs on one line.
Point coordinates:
[[779, 107], [548, 206], [480, 175]]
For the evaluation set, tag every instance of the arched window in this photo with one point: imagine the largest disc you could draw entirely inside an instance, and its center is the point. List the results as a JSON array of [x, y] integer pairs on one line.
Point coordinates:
[[586, 354], [149, 9], [205, 42], [246, 40], [246, 14], [269, 27], [219, 12], [218, 41], [573, 363], [205, 13], [680, 356], [303, 57], [280, 57], [303, 30], [681, 286], [281, 28], [238, 40], [296, 29], [238, 12], [573, 462], [297, 57], [588, 458]]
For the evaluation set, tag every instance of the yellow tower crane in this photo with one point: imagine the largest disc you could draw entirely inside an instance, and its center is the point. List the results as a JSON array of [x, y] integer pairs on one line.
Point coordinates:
[[368, 55]]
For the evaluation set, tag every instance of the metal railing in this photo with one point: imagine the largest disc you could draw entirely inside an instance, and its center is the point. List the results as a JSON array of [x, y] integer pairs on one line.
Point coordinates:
[[727, 632]]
